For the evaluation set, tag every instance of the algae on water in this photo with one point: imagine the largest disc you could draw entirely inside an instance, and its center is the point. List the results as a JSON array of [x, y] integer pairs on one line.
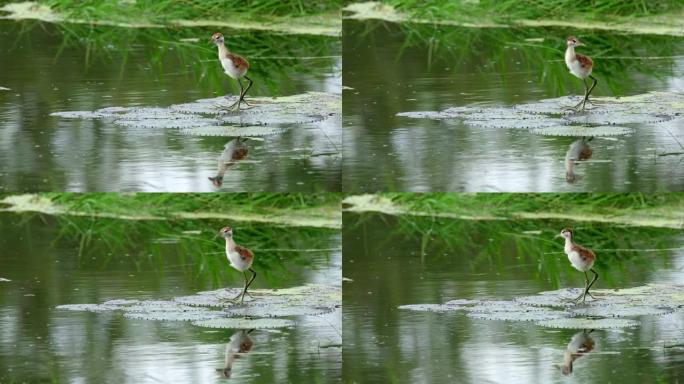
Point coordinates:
[[555, 309], [211, 117], [269, 308], [607, 116]]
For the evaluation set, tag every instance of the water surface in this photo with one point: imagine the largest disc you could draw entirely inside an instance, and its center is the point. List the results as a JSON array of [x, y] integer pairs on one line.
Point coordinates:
[[51, 261], [392, 68], [50, 68], [394, 261]]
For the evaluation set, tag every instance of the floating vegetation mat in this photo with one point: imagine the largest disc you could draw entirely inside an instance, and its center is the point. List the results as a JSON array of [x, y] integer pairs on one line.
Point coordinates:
[[556, 309], [211, 117], [553, 117], [265, 309]]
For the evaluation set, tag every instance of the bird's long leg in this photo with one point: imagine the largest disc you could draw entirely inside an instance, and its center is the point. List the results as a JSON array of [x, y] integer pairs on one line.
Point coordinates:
[[592, 87], [584, 292], [241, 295], [250, 280], [249, 85], [584, 99], [236, 104], [592, 283]]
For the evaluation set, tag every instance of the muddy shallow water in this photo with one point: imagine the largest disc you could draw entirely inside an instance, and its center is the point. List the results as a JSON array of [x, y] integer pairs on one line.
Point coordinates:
[[51, 68], [393, 69], [394, 261], [46, 263]]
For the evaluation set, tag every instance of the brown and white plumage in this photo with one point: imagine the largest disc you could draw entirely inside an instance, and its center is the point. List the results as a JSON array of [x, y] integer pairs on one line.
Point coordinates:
[[580, 66], [240, 344], [580, 344], [581, 258], [234, 151], [240, 258], [579, 150], [233, 65]]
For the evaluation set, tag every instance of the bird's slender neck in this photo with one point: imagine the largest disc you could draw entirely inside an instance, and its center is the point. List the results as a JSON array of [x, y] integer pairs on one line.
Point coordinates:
[[570, 53], [222, 50], [230, 244], [568, 243]]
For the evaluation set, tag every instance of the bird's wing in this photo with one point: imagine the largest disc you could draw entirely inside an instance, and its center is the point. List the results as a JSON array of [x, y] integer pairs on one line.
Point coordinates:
[[585, 253], [585, 61], [239, 61], [245, 254]]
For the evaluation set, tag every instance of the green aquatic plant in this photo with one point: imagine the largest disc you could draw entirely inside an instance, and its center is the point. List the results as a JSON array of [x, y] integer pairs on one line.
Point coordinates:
[[496, 247], [275, 59], [556, 309], [632, 16], [265, 310], [488, 54], [266, 116], [267, 15], [551, 117]]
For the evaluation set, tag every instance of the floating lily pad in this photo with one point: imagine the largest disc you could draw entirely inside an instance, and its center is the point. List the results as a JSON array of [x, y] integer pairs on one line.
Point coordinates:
[[555, 116], [513, 123], [88, 307], [430, 307], [462, 302], [211, 117], [233, 323], [229, 131], [546, 307], [279, 311], [580, 131], [308, 300], [614, 310], [518, 315], [583, 323], [451, 113], [167, 122], [175, 315], [616, 117], [84, 115]]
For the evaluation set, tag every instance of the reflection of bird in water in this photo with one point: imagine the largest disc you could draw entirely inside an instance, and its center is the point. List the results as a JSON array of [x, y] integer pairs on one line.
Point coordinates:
[[582, 259], [580, 66], [234, 66], [234, 151], [240, 258], [580, 344], [579, 150], [240, 343]]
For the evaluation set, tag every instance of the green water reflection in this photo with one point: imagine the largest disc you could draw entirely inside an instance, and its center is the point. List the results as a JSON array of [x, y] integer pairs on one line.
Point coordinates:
[[51, 68], [398, 260], [391, 68], [50, 261]]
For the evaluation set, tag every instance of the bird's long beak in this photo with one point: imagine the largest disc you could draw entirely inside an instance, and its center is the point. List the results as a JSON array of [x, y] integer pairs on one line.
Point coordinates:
[[557, 236], [579, 44]]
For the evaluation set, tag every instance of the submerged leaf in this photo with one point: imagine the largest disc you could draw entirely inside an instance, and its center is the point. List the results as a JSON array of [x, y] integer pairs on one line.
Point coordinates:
[[583, 323], [614, 310], [560, 309], [307, 300], [233, 323], [583, 131], [212, 117], [556, 116], [229, 131], [430, 307]]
